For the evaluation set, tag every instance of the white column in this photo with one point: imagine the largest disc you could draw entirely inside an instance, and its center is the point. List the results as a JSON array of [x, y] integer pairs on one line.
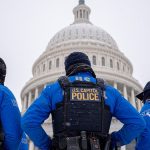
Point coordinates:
[[141, 104], [31, 145], [24, 107], [45, 85], [115, 84], [125, 92], [138, 104], [123, 147], [22, 103], [133, 98], [30, 99], [36, 93]]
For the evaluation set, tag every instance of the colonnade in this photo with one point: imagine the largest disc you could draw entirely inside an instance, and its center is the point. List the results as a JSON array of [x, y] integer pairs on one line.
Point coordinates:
[[129, 96], [28, 98]]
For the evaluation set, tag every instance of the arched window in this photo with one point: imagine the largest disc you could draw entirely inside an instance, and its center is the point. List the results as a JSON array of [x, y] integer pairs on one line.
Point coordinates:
[[111, 63], [103, 61], [83, 13], [80, 13], [57, 62], [94, 60], [128, 69], [87, 15], [35, 71], [77, 14], [118, 67], [50, 65], [38, 69], [43, 67]]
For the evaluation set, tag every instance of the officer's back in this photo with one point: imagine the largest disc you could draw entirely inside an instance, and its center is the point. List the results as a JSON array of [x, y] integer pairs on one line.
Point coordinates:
[[52, 100], [9, 115], [144, 137]]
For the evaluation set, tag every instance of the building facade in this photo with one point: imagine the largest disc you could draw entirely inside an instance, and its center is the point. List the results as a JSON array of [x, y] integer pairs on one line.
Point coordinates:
[[107, 60]]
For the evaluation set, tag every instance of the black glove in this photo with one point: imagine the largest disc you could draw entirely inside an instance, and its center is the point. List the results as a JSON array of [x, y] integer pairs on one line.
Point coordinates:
[[113, 143]]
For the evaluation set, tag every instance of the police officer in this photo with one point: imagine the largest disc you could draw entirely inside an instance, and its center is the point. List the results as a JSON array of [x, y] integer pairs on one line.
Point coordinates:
[[11, 132], [143, 141], [81, 108]]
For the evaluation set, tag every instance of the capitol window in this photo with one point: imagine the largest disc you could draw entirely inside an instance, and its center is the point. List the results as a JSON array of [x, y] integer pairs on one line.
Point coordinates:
[[128, 70], [123, 68], [103, 61], [38, 70], [83, 13], [80, 13], [43, 67], [50, 65], [94, 60], [57, 62], [34, 71], [77, 14], [87, 15], [118, 67], [111, 63]]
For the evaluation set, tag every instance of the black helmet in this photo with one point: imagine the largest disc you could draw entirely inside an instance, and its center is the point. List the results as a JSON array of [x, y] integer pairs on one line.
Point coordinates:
[[77, 62], [76, 58], [2, 70], [145, 93]]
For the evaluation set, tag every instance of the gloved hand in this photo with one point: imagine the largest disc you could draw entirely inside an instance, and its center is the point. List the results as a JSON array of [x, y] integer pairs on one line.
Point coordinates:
[[113, 143], [112, 146], [50, 144]]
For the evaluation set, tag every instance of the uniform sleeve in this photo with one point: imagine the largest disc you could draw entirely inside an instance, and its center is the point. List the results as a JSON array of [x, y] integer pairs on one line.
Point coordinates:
[[34, 118], [24, 143], [145, 135], [133, 123], [10, 119]]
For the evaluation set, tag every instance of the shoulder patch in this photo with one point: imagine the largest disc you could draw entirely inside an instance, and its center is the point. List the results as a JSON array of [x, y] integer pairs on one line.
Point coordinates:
[[146, 113], [14, 102]]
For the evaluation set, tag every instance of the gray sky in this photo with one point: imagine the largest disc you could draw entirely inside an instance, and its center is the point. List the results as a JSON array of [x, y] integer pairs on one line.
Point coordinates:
[[26, 27]]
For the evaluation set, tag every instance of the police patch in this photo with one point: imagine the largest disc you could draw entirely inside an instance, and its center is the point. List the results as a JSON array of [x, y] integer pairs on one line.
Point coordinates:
[[84, 94]]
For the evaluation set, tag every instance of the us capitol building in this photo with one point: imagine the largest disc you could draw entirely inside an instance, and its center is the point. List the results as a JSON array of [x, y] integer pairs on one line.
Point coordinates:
[[107, 61]]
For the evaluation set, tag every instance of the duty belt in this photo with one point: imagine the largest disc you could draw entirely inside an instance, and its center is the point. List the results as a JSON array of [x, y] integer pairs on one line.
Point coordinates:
[[82, 142]]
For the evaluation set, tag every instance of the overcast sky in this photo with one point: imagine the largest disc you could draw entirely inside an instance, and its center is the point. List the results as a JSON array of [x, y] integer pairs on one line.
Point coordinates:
[[26, 27]]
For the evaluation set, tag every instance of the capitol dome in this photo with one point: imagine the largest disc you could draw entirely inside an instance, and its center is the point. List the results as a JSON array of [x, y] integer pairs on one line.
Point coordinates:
[[107, 61], [82, 31]]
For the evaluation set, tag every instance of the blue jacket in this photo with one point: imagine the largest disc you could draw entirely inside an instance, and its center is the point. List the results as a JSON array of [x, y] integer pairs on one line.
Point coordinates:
[[24, 143], [10, 118], [52, 94], [143, 141]]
